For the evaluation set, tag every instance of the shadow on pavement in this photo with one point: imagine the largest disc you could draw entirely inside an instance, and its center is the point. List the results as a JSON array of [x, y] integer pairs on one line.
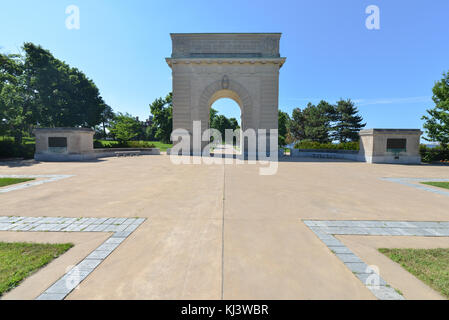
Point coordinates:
[[28, 163]]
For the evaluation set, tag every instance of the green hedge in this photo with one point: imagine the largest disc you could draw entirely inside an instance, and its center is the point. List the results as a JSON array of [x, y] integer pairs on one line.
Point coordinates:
[[437, 154], [8, 149], [307, 144], [100, 144]]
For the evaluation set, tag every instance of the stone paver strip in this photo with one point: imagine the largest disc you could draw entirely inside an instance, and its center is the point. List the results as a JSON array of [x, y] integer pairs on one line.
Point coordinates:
[[326, 231], [122, 228], [417, 185], [42, 179]]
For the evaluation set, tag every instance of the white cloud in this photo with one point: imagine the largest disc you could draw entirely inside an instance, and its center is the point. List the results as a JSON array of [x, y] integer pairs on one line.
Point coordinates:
[[366, 102]]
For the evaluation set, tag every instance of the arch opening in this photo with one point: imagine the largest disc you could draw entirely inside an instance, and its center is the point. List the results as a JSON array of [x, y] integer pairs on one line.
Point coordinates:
[[226, 113], [239, 94]]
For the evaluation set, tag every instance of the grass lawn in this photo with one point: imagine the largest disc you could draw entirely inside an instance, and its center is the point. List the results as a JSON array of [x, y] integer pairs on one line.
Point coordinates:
[[8, 181], [137, 144], [429, 265], [161, 146], [19, 260], [438, 184]]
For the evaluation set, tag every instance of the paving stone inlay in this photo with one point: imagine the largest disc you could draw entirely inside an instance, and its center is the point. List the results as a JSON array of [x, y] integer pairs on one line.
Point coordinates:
[[326, 231], [121, 228], [409, 182], [41, 179]]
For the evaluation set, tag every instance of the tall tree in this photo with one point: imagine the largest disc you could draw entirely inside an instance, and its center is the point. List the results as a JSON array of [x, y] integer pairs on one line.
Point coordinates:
[[318, 121], [314, 122], [66, 97], [39, 90], [437, 122], [16, 98], [212, 114], [106, 117], [349, 122], [162, 111], [150, 133], [283, 127], [297, 125], [221, 123], [234, 123]]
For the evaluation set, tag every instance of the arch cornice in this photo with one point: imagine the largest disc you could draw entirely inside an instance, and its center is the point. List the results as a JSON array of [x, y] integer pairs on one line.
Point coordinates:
[[209, 61]]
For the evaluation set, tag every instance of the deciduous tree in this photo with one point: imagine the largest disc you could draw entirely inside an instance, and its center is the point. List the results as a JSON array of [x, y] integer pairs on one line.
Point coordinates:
[[125, 127], [283, 127], [437, 120], [65, 96], [162, 111], [106, 117], [17, 103]]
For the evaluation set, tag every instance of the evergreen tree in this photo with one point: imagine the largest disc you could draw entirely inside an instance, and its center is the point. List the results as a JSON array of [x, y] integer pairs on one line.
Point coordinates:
[[348, 123], [318, 121], [297, 125]]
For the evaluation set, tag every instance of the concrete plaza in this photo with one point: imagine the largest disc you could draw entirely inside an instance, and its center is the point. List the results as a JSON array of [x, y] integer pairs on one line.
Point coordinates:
[[224, 231]]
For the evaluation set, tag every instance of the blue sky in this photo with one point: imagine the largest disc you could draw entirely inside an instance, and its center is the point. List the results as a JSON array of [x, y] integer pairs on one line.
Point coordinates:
[[330, 53]]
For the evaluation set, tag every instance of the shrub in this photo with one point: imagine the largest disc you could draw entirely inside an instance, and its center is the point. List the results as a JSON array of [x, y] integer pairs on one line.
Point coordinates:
[[138, 144], [101, 144], [123, 144], [308, 144], [9, 149], [433, 154]]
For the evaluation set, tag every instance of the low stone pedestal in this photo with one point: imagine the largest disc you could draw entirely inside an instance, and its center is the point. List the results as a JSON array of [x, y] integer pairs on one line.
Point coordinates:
[[64, 144], [390, 146]]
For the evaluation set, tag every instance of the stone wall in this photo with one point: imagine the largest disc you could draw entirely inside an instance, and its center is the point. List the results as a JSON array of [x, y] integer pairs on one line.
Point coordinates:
[[326, 154], [110, 152]]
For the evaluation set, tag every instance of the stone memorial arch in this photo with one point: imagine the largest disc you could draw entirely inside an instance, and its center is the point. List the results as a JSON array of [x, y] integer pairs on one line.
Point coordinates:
[[240, 66]]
